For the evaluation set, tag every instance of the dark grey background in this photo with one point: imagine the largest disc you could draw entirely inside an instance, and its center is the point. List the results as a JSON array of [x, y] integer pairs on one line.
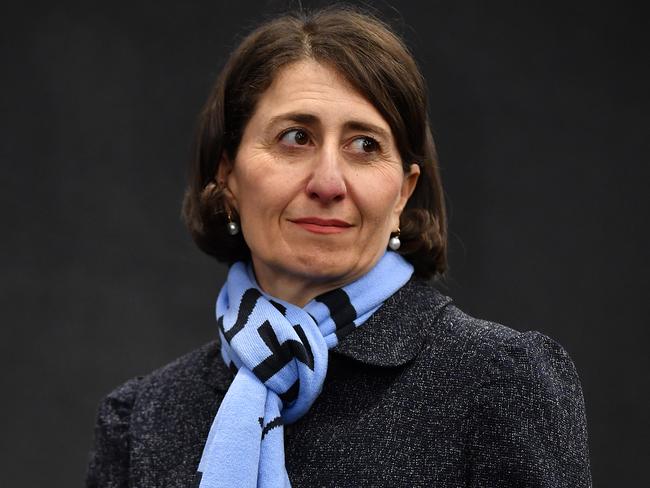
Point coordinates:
[[540, 112]]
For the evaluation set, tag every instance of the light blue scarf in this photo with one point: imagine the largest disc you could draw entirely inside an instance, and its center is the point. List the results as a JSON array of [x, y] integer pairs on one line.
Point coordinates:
[[280, 352]]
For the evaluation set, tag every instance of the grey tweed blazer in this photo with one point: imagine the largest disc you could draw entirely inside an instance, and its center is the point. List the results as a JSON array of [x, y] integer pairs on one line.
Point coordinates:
[[422, 395]]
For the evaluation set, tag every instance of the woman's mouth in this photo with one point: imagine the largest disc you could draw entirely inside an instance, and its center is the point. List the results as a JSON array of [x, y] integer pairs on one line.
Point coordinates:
[[322, 226]]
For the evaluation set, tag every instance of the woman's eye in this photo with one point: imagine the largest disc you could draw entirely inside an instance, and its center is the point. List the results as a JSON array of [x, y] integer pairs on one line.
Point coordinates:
[[295, 137], [365, 145]]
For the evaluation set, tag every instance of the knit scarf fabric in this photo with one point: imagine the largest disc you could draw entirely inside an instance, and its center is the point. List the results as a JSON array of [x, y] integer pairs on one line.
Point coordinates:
[[280, 353]]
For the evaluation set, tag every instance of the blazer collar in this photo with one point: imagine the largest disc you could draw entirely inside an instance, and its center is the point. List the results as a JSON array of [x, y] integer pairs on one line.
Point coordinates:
[[395, 333], [392, 336]]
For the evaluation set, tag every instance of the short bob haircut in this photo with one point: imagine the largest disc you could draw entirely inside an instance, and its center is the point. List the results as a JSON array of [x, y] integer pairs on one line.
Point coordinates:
[[375, 61]]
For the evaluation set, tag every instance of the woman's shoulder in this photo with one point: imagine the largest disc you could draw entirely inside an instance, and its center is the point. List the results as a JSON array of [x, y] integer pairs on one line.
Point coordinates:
[[176, 401], [493, 341], [522, 394], [443, 321], [200, 365], [419, 321], [481, 350]]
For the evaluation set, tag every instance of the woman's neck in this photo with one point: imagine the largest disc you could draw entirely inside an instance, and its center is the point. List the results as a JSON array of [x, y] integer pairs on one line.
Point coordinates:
[[295, 289]]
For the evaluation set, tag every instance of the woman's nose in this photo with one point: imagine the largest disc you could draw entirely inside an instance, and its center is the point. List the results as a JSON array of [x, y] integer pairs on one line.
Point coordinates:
[[327, 183]]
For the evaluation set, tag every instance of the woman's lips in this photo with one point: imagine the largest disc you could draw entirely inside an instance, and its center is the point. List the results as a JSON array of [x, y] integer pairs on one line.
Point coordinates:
[[322, 226]]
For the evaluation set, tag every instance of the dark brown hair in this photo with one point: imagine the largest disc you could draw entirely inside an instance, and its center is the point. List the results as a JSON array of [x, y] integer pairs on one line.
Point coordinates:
[[375, 61]]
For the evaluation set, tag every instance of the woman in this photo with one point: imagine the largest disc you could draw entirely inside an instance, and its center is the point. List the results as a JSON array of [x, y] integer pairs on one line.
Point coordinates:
[[315, 178]]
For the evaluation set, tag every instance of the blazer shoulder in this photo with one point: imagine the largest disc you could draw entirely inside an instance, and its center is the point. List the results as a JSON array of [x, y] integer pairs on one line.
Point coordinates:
[[203, 364], [128, 415], [484, 350], [526, 410], [108, 463], [498, 347], [525, 406], [441, 321]]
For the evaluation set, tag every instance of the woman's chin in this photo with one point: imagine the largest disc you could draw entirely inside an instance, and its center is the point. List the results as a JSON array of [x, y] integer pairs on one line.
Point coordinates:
[[339, 267]]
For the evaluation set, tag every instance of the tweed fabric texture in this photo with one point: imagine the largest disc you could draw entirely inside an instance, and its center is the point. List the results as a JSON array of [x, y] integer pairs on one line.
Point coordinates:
[[280, 352], [422, 395]]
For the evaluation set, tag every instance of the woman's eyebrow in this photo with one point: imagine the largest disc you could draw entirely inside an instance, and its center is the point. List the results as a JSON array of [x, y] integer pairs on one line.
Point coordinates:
[[313, 120], [357, 125], [297, 117]]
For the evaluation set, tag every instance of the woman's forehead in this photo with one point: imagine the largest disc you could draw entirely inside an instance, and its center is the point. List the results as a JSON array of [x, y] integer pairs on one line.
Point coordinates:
[[314, 93]]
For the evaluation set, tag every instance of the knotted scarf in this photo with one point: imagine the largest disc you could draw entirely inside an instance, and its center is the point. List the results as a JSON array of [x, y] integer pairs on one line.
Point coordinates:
[[280, 352]]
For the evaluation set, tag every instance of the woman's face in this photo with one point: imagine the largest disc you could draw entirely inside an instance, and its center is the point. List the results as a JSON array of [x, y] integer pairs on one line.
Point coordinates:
[[317, 182]]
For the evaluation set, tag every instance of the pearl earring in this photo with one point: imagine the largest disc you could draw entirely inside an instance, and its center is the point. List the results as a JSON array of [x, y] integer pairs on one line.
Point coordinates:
[[394, 243], [233, 227]]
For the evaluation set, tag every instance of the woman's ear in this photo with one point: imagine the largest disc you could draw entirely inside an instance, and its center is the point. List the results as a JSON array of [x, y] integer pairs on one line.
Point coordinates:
[[226, 181], [408, 185]]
